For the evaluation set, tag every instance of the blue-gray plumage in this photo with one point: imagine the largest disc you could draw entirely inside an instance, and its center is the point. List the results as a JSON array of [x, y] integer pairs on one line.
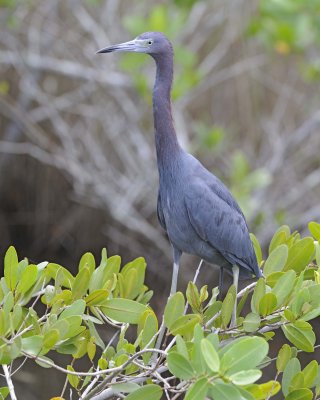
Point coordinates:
[[195, 208]]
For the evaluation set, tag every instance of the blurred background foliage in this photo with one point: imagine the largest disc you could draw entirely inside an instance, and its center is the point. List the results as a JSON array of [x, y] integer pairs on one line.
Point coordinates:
[[77, 155]]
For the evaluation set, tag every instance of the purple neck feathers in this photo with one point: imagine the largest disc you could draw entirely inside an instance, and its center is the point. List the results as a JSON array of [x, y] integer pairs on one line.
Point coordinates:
[[167, 145]]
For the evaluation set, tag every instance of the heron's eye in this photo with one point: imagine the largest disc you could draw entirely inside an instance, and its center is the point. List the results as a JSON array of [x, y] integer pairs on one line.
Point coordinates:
[[150, 42]]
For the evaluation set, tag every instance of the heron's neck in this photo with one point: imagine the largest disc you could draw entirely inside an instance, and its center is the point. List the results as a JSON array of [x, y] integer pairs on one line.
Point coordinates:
[[167, 146]]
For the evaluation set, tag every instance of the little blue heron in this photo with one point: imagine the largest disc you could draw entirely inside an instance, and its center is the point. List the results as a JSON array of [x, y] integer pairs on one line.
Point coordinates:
[[194, 207]]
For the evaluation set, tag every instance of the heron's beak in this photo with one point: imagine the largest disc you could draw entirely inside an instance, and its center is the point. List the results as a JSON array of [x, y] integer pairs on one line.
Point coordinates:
[[127, 46]]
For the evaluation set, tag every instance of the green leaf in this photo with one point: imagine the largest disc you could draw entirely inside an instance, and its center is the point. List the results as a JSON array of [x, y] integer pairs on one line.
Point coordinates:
[[280, 237], [147, 392], [134, 274], [314, 229], [185, 324], [32, 344], [204, 293], [74, 380], [123, 310], [87, 260], [251, 322], [125, 387], [227, 306], [174, 309], [106, 270], [310, 373], [197, 359], [44, 362], [258, 293], [317, 255], [268, 304], [193, 297], [11, 267], [96, 297], [17, 316], [300, 254], [51, 338], [198, 390], [283, 358], [76, 308], [93, 332], [245, 377], [91, 349], [245, 353], [291, 369], [300, 394], [284, 286], [60, 274], [8, 303], [264, 390], [300, 334], [28, 279], [179, 366], [182, 347], [224, 391], [210, 355], [4, 391], [212, 310], [149, 330], [257, 248], [297, 382], [276, 260], [81, 283]]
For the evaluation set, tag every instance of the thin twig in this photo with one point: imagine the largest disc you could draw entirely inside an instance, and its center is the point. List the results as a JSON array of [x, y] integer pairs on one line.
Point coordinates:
[[9, 381]]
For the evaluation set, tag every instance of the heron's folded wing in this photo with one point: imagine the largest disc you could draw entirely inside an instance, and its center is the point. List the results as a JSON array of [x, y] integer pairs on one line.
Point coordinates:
[[220, 224], [160, 213]]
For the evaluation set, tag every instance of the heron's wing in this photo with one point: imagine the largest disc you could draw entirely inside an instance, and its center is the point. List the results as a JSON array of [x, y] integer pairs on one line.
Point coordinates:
[[160, 213], [218, 220]]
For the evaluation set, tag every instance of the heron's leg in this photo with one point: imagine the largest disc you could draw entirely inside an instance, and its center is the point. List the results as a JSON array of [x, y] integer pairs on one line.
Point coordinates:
[[235, 272], [176, 261], [220, 283]]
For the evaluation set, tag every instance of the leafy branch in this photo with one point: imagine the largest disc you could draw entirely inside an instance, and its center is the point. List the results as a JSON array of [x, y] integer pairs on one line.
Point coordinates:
[[194, 353]]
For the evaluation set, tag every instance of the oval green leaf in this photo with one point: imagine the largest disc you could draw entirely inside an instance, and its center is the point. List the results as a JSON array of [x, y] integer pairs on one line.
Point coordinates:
[[314, 229], [198, 390], [245, 377], [283, 358], [185, 324], [11, 267], [28, 279], [276, 260], [123, 310], [147, 392], [224, 391], [310, 373], [300, 254], [291, 369], [174, 309], [301, 335], [268, 304], [244, 354], [81, 283], [300, 394], [96, 297], [179, 366], [251, 322], [210, 355], [284, 286]]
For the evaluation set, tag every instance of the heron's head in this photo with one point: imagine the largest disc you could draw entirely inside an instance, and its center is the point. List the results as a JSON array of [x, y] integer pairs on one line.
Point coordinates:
[[153, 43]]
